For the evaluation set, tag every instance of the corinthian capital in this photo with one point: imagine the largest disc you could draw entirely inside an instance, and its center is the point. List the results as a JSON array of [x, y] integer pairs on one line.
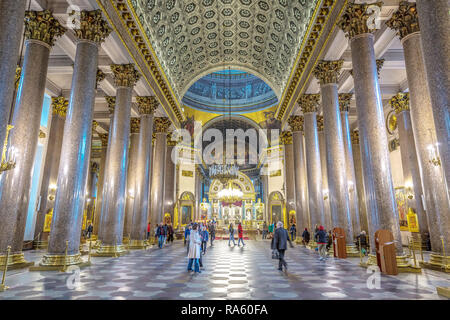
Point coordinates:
[[320, 123], [286, 137], [147, 105], [309, 102], [104, 138], [170, 142], [111, 101], [296, 123], [344, 101], [59, 106], [18, 75], [100, 77], [135, 125], [162, 124], [328, 71], [400, 102], [94, 125], [92, 27], [125, 75], [355, 137], [406, 20], [42, 26], [354, 21]]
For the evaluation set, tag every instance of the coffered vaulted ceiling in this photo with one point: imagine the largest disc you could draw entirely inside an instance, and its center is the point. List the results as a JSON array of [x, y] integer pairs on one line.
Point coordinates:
[[193, 38]]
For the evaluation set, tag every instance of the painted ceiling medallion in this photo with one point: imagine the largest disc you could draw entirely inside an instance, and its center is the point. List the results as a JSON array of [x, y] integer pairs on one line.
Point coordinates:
[[236, 33]]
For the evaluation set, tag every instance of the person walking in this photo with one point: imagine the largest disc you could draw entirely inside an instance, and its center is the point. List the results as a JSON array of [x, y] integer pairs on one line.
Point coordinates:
[[264, 231], [306, 236], [90, 228], [204, 234], [170, 233], [279, 243], [362, 239], [161, 234], [270, 229], [241, 235], [148, 231], [330, 240], [212, 232], [321, 238], [293, 232], [194, 255], [231, 233]]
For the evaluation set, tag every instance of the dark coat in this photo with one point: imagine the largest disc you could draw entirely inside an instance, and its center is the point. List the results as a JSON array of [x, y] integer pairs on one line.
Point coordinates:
[[305, 235], [321, 237], [280, 239]]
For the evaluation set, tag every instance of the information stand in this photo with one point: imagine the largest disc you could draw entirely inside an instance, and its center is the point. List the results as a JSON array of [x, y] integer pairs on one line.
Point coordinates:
[[339, 245], [386, 255]]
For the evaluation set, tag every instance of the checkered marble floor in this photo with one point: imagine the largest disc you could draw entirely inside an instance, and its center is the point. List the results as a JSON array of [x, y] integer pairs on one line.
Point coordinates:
[[230, 273]]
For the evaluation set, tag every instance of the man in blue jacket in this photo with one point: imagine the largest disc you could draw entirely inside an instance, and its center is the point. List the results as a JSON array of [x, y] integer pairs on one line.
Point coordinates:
[[204, 234], [321, 238]]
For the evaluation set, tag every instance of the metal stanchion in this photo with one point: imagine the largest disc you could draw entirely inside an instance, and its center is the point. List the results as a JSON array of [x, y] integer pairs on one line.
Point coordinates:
[[64, 269], [3, 287], [414, 253]]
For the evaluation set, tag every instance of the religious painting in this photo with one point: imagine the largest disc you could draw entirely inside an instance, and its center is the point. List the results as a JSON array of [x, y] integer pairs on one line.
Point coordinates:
[[186, 214], [413, 222], [402, 205], [167, 218], [277, 213], [292, 219]]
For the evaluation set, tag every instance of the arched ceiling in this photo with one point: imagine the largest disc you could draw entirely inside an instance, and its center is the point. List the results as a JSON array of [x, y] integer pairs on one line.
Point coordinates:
[[259, 36]]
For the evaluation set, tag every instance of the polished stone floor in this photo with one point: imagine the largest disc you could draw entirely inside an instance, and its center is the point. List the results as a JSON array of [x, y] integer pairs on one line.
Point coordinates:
[[230, 273]]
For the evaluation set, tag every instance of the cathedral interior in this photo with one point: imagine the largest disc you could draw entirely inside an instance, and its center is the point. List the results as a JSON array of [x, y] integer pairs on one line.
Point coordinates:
[[119, 115]]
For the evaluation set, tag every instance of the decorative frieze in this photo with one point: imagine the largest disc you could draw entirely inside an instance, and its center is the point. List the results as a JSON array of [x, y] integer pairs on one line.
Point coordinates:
[[309, 102], [400, 102], [92, 26], [162, 124], [286, 137], [135, 125], [328, 71], [344, 101], [406, 20], [354, 21], [147, 105], [42, 26], [59, 106], [296, 123], [125, 75]]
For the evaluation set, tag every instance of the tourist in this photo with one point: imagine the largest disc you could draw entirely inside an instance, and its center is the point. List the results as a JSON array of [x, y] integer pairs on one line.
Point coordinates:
[[161, 234], [204, 234], [187, 230], [264, 231], [321, 238], [212, 232], [241, 235], [293, 232], [362, 242], [90, 228], [270, 229], [170, 233], [166, 232], [148, 231], [330, 240], [194, 255], [231, 233], [279, 243], [305, 236]]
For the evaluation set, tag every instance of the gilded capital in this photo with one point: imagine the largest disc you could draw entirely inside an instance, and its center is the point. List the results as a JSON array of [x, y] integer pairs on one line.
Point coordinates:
[[320, 123], [147, 105], [380, 64], [355, 137], [296, 123], [91, 25], [111, 101], [42, 26], [18, 75], [94, 125], [400, 102], [94, 167], [135, 125], [344, 101], [309, 102], [59, 106], [170, 142], [162, 124], [286, 137], [125, 75], [405, 20], [355, 19], [99, 77], [104, 138], [328, 71]]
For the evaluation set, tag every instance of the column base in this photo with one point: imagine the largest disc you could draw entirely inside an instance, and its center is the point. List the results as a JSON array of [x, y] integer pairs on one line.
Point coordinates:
[[443, 291], [58, 262], [40, 245], [110, 251], [138, 244], [352, 250], [16, 261], [403, 264], [437, 262]]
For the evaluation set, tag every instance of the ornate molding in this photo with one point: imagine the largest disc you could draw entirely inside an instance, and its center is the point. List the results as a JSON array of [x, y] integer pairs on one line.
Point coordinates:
[[147, 105], [406, 20], [162, 124], [354, 20], [344, 101], [59, 106], [170, 142], [104, 138], [99, 77], [286, 137], [42, 134], [328, 71], [309, 102], [94, 125], [111, 101], [125, 75], [92, 26], [400, 102], [320, 123], [42, 26], [135, 125], [355, 137], [296, 123]]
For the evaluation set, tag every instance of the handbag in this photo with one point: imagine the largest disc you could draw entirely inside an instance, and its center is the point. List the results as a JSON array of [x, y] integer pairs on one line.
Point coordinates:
[[275, 254]]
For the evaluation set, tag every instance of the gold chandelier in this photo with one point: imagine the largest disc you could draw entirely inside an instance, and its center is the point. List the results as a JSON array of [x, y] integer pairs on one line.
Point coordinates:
[[230, 194], [224, 172]]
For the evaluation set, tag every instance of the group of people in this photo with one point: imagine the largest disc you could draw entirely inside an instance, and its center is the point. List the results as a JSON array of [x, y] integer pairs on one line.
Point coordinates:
[[231, 232], [163, 234], [196, 236]]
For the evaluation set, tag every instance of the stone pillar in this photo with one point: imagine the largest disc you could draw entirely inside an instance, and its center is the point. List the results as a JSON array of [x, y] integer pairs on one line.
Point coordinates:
[[147, 107], [410, 165], [169, 179], [265, 184], [309, 104], [289, 177], [434, 21], [198, 196], [344, 106], [323, 163], [41, 31], [435, 189], [300, 178], [380, 197], [51, 166], [115, 183], [76, 145], [91, 192], [101, 176], [359, 181], [132, 174], [159, 163], [11, 25]]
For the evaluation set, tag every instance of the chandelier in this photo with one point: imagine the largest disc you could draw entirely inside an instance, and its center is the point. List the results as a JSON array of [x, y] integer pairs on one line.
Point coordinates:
[[224, 172], [230, 195]]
